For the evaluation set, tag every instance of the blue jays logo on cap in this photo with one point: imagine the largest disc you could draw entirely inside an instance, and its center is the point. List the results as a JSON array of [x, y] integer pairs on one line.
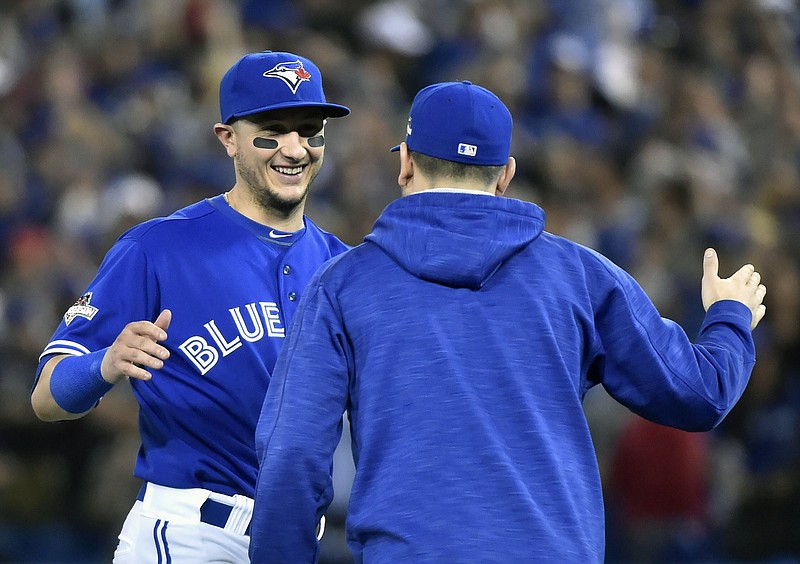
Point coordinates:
[[290, 73], [247, 87], [460, 122]]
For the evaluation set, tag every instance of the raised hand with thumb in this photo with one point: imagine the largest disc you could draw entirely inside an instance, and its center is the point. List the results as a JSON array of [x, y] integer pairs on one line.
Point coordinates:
[[744, 286]]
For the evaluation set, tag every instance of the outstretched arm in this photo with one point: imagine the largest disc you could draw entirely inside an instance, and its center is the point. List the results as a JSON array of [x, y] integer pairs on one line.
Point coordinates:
[[69, 386], [649, 364]]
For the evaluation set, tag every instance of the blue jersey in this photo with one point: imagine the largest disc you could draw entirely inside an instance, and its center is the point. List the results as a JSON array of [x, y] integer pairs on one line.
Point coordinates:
[[461, 339], [232, 285]]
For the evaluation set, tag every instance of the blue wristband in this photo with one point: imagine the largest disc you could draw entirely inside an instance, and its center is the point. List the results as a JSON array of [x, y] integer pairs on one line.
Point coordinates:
[[76, 383]]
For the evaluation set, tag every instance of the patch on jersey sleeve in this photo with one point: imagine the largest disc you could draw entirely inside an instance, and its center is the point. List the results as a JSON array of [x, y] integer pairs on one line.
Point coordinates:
[[81, 308]]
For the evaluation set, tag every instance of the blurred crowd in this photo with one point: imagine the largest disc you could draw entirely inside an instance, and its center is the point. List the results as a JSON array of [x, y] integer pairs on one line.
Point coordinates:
[[646, 129]]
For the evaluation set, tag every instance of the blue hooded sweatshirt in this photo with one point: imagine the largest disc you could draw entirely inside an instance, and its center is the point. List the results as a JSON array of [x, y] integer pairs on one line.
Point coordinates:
[[462, 338]]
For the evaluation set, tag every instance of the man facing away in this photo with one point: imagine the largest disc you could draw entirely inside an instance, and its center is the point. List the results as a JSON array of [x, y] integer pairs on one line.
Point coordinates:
[[461, 338], [193, 308]]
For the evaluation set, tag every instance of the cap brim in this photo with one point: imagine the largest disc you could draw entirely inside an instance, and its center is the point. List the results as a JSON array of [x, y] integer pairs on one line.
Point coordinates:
[[329, 110], [395, 148]]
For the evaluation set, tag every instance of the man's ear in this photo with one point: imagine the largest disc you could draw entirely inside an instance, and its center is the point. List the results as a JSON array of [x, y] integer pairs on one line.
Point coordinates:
[[505, 176], [226, 136], [406, 176]]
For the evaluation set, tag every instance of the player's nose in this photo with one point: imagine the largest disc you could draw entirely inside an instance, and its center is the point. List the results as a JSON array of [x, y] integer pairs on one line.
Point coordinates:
[[293, 146]]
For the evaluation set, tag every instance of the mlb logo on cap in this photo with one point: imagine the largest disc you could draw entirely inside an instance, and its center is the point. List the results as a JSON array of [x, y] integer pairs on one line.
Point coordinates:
[[272, 80], [460, 122], [468, 150]]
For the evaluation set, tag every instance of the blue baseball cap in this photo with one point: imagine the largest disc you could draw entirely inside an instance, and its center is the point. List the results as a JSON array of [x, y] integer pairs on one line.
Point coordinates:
[[271, 80], [461, 122]]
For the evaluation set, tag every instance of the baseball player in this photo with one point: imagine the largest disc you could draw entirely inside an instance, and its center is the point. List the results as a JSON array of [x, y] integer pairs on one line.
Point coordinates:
[[193, 308], [461, 337]]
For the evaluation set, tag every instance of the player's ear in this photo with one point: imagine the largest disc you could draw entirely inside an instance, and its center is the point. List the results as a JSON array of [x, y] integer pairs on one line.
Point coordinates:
[[406, 168], [226, 136], [505, 176]]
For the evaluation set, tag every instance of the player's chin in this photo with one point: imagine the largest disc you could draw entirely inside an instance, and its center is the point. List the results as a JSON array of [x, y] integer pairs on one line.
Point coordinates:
[[291, 194], [286, 201]]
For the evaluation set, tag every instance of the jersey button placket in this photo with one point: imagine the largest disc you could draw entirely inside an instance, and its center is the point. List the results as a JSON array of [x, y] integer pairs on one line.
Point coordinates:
[[286, 271]]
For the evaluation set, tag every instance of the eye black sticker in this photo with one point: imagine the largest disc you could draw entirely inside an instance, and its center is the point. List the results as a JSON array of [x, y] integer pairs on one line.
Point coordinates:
[[265, 143]]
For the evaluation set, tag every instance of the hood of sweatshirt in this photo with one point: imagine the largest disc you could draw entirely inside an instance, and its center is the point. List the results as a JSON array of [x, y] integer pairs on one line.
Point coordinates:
[[457, 239]]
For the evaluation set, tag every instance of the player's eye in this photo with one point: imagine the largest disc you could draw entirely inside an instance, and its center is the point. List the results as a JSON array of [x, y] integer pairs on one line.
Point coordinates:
[[310, 130]]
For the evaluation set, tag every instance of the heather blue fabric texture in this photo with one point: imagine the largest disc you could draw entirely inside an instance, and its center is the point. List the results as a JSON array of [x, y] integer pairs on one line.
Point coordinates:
[[462, 338]]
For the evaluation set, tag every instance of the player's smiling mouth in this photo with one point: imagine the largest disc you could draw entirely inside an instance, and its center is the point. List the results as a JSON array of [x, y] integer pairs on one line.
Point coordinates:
[[289, 170]]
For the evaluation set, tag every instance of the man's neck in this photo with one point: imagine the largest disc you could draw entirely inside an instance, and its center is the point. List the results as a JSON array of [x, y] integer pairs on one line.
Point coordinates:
[[291, 222], [461, 191]]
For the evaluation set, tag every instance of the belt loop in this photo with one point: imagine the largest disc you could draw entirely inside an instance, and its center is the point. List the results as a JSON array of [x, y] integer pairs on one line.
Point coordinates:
[[241, 514]]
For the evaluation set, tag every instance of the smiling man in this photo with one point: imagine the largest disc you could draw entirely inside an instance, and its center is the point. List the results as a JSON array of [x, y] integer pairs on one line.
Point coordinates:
[[276, 155], [193, 308]]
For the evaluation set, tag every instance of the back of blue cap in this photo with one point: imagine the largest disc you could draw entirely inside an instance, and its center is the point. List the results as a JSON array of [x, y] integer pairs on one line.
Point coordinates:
[[460, 122]]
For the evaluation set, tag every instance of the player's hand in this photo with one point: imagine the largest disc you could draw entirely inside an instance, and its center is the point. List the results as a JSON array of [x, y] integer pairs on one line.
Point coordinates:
[[136, 349], [744, 286]]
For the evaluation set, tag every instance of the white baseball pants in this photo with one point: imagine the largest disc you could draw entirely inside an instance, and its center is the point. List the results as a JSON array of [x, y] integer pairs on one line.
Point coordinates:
[[182, 526]]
